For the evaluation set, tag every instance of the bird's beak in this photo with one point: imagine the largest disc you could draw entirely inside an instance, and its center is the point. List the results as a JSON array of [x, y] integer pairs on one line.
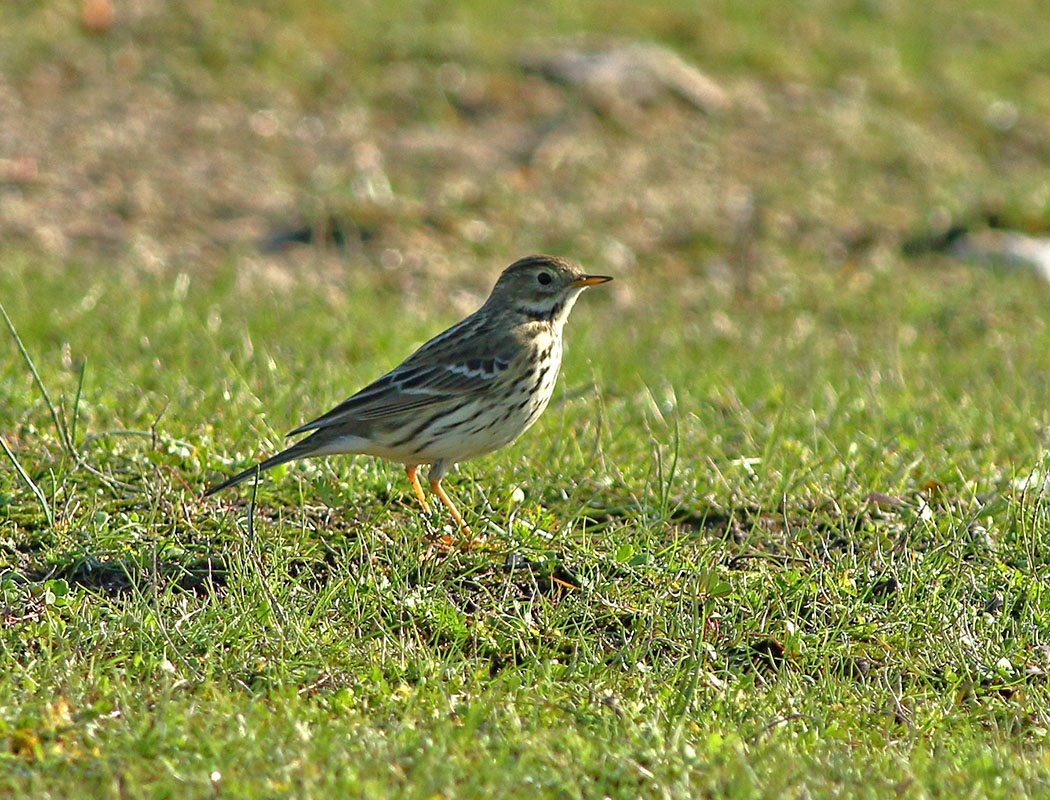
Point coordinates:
[[591, 280]]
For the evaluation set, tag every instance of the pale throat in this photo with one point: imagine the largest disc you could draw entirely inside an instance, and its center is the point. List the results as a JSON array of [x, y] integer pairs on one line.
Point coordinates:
[[570, 301], [556, 310]]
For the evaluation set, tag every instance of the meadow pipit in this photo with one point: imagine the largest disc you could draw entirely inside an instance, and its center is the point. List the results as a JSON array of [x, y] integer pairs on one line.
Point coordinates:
[[468, 391]]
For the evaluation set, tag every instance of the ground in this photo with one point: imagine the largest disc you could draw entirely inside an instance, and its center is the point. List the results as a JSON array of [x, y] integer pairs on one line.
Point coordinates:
[[782, 532]]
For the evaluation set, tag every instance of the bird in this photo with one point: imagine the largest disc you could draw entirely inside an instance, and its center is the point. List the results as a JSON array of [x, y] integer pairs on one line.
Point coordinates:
[[470, 390]]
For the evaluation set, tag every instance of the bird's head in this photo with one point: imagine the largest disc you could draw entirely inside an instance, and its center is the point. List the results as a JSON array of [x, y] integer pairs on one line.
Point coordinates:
[[542, 287]]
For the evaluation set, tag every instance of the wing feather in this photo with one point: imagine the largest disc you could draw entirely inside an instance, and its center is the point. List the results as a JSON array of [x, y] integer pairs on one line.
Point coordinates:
[[441, 370]]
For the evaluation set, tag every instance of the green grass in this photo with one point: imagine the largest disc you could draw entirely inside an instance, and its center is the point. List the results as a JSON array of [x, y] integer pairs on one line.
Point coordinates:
[[781, 534], [713, 604]]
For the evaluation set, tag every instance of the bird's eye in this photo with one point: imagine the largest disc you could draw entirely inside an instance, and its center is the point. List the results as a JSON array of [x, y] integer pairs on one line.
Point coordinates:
[[544, 278]]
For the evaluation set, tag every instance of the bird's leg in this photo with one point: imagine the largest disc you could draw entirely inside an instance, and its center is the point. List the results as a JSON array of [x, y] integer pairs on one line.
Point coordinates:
[[438, 470], [413, 478], [435, 485]]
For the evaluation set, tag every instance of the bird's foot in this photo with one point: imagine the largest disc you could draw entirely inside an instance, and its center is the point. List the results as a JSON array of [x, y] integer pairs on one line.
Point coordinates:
[[470, 542]]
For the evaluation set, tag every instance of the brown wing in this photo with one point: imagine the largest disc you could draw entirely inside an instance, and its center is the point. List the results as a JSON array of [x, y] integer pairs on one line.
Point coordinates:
[[464, 360]]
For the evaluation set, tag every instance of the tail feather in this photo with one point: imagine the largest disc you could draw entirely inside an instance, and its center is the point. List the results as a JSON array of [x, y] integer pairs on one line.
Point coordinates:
[[295, 451]]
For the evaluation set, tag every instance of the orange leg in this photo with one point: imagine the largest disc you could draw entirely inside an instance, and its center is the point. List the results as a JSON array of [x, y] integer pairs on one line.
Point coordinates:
[[414, 480], [435, 485]]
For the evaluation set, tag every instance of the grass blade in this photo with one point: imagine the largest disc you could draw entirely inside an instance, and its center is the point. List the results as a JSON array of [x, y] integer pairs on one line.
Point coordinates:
[[76, 404], [25, 476], [63, 434]]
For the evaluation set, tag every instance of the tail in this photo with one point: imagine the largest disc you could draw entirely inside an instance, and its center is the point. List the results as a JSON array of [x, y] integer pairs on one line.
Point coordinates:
[[297, 450]]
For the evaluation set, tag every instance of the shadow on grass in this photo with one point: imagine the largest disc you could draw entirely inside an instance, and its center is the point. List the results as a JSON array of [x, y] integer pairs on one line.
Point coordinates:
[[814, 531], [114, 577]]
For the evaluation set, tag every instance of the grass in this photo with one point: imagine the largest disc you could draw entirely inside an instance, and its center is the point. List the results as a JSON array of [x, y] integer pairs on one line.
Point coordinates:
[[779, 534], [698, 592]]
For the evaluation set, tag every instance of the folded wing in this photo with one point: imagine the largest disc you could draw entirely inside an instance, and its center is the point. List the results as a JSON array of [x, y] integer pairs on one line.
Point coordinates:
[[414, 387]]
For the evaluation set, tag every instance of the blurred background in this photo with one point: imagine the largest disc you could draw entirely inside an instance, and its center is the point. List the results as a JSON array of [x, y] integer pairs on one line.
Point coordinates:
[[728, 143]]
